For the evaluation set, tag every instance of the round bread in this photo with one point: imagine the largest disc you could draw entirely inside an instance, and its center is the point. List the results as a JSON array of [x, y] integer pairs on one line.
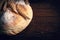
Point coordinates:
[[16, 22]]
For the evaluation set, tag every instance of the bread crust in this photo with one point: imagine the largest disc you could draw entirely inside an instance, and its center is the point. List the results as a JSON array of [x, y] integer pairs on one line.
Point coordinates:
[[16, 18]]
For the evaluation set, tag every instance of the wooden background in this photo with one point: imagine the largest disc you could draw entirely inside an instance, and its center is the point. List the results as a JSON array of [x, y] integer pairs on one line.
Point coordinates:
[[45, 24]]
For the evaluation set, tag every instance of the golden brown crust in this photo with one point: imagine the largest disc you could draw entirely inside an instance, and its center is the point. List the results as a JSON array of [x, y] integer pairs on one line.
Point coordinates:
[[14, 17], [22, 10], [12, 5], [18, 9]]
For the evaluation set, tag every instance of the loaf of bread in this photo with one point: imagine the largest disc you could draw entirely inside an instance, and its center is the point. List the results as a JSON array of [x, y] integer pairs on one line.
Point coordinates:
[[16, 17]]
